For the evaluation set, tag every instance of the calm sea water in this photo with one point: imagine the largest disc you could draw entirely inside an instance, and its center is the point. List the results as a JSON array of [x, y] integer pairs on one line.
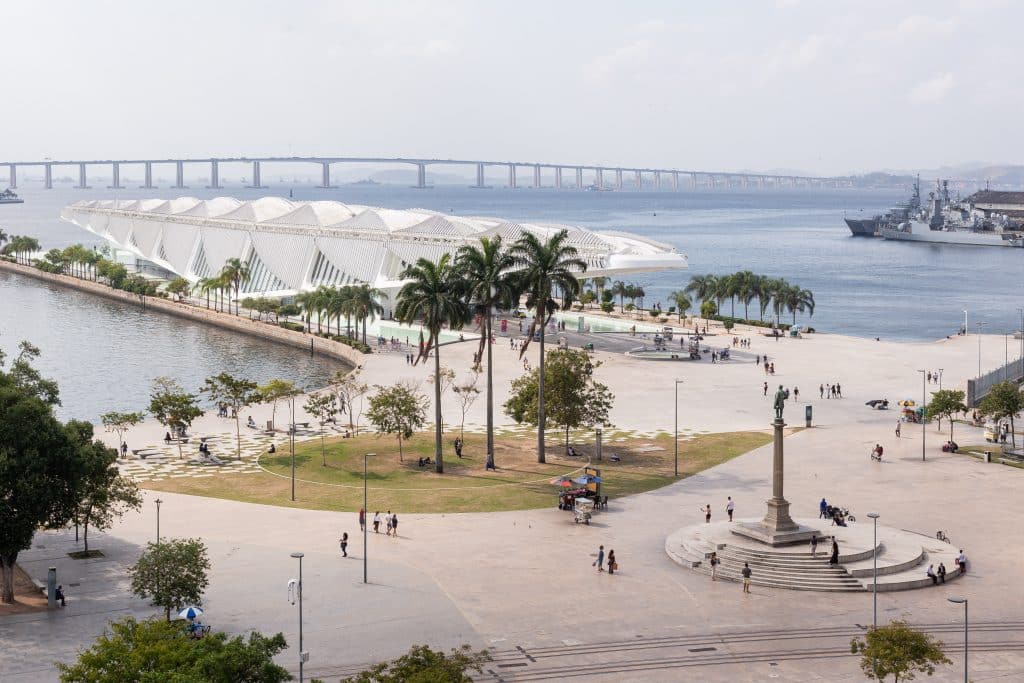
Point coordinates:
[[105, 354]]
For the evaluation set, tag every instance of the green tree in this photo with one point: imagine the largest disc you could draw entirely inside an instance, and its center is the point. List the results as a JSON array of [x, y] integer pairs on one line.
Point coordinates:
[[491, 284], [236, 393], [946, 403], [707, 309], [173, 407], [1003, 401], [423, 665], [105, 494], [348, 386], [898, 650], [234, 274], [366, 304], [467, 394], [399, 410], [546, 267], [703, 287], [323, 407], [681, 301], [273, 392], [154, 651], [120, 423], [575, 399], [41, 465], [172, 574], [433, 293]]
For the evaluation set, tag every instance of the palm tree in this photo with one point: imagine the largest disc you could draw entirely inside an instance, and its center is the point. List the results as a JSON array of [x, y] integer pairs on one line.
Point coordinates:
[[434, 294], [546, 265], [703, 287], [681, 301], [796, 300], [305, 301], [620, 289], [763, 288], [490, 283], [599, 283], [236, 273], [4, 237], [744, 286], [777, 287], [366, 304]]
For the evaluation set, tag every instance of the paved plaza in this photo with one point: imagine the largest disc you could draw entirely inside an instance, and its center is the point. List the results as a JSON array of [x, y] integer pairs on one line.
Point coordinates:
[[523, 583]]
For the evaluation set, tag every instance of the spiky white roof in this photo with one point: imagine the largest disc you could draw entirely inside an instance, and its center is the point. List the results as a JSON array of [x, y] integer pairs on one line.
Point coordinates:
[[294, 246]]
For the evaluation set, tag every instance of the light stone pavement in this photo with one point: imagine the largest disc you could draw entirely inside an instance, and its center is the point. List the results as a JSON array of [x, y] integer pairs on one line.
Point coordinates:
[[524, 579]]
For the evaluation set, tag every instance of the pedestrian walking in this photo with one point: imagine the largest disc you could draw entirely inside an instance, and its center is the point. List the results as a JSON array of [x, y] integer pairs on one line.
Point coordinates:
[[362, 520], [713, 561], [821, 391], [765, 388], [746, 577], [124, 449], [376, 522], [822, 509], [932, 575], [394, 525], [942, 572], [729, 507], [707, 513], [834, 560], [388, 522], [344, 543], [599, 562], [612, 564], [59, 596], [898, 429], [839, 390], [796, 394], [814, 546]]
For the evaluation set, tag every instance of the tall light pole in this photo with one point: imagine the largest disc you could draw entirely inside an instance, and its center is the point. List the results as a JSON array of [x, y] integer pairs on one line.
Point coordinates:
[[940, 379], [158, 502], [678, 382], [959, 600], [965, 323], [1006, 354], [366, 512], [979, 325], [291, 440], [924, 407], [303, 655], [1021, 311], [874, 572]]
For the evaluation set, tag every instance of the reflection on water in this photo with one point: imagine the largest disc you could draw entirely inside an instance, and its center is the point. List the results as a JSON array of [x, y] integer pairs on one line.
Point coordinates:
[[104, 353]]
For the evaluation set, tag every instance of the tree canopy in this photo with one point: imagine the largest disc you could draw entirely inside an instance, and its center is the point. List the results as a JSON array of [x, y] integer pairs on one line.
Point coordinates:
[[574, 398], [173, 407], [236, 393], [154, 651], [899, 651], [1003, 401], [105, 493], [946, 403], [173, 573], [423, 665], [398, 409]]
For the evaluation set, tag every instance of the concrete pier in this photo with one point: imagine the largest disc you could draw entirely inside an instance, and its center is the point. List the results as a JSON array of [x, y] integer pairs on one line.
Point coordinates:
[[536, 176], [558, 177], [675, 181], [599, 178], [325, 175], [48, 176], [657, 180], [214, 176], [639, 179], [13, 182], [618, 179], [257, 182], [179, 175], [479, 176], [421, 176], [147, 183], [83, 183], [579, 177], [512, 176], [116, 177]]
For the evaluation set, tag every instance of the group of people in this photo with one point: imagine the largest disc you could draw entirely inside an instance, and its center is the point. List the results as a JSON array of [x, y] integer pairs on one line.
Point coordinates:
[[769, 368], [742, 343], [730, 509], [933, 377], [602, 561], [390, 521], [833, 558], [786, 392], [222, 411], [830, 390]]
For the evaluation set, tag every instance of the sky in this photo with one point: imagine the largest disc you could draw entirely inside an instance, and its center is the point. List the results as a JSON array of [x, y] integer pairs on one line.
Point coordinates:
[[821, 87]]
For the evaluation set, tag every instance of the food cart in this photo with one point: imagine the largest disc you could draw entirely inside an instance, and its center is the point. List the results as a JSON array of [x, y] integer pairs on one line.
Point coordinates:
[[583, 510]]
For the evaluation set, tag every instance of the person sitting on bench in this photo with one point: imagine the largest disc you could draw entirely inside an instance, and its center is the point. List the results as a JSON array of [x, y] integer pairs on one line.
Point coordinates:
[[572, 452]]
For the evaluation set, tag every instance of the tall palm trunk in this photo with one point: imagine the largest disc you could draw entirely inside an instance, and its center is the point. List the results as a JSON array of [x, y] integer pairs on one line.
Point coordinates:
[[541, 417], [438, 458], [490, 391], [364, 328]]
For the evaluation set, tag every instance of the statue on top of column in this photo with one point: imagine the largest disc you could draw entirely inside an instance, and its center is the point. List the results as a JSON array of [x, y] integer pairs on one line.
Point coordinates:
[[780, 402]]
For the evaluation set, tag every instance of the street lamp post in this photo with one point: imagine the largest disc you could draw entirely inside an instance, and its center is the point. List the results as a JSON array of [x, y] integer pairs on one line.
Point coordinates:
[[924, 409], [598, 441], [965, 323], [676, 435], [158, 502], [303, 655], [366, 512], [1021, 311], [874, 572], [940, 379], [291, 441], [979, 325], [959, 600]]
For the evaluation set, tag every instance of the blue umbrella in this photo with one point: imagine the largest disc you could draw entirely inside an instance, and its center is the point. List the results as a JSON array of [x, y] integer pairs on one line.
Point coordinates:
[[190, 613], [587, 479]]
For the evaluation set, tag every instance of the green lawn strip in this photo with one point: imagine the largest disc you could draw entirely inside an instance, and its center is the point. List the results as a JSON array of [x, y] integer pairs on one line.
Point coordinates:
[[520, 482]]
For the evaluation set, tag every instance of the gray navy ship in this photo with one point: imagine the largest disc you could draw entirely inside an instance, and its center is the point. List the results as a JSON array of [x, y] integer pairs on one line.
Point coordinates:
[[872, 227]]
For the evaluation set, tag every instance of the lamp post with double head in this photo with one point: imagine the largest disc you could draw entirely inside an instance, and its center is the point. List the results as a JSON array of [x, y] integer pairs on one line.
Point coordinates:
[[366, 512], [303, 655], [874, 572], [959, 600], [676, 434]]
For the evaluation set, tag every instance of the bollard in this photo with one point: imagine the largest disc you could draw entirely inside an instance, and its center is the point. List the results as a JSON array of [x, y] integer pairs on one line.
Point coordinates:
[[51, 587], [807, 415]]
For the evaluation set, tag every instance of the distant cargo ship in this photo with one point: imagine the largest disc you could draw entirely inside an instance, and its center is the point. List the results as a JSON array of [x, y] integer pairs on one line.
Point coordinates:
[[8, 197]]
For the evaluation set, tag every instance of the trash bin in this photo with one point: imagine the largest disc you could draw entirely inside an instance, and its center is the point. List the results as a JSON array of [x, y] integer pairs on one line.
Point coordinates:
[[988, 456], [807, 414]]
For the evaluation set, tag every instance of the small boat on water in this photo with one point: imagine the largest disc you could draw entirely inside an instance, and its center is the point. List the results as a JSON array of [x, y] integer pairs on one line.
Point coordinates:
[[9, 197]]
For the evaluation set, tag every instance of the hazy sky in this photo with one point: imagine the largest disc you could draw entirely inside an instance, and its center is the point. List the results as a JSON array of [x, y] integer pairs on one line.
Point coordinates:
[[825, 87]]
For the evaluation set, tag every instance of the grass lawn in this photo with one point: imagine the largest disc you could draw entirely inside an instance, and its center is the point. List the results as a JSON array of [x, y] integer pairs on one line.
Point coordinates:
[[519, 483]]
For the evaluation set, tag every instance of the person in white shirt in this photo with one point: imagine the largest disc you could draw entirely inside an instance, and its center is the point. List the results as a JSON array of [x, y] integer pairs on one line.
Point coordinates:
[[729, 507]]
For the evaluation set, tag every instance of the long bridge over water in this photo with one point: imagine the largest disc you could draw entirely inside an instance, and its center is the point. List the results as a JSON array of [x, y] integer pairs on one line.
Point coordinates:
[[601, 177]]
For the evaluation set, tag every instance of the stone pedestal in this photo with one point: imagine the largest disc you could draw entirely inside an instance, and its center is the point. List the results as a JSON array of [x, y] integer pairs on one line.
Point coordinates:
[[777, 527]]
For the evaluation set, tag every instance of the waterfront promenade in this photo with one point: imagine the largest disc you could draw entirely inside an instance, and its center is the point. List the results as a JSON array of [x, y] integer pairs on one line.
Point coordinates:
[[524, 579]]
